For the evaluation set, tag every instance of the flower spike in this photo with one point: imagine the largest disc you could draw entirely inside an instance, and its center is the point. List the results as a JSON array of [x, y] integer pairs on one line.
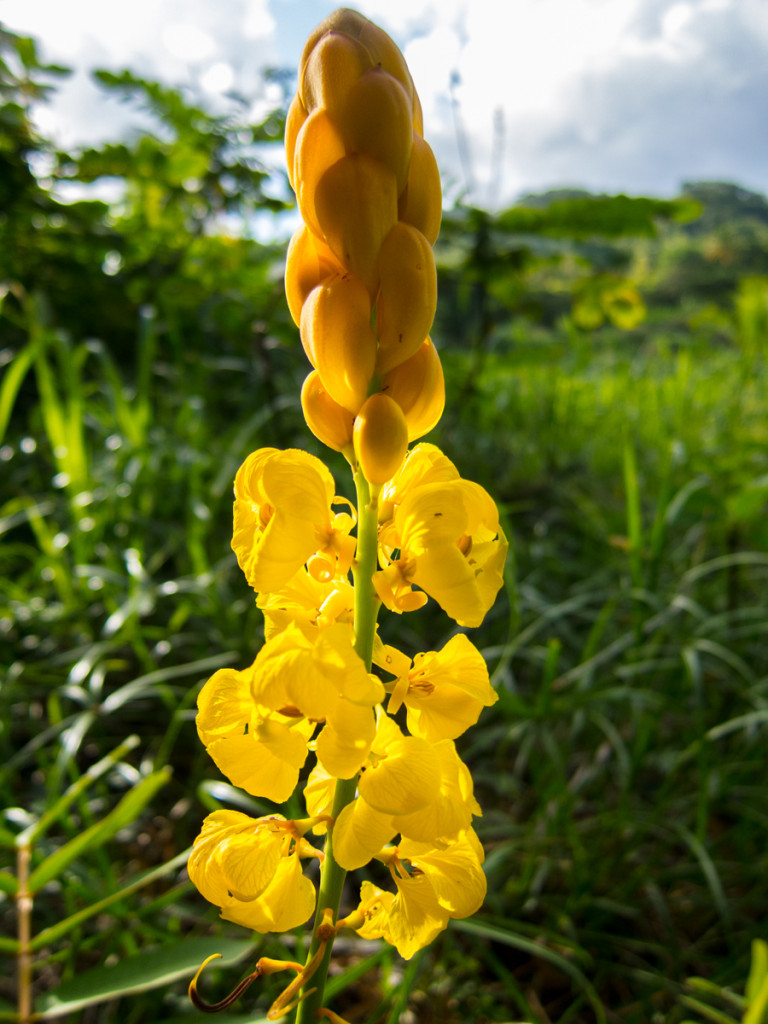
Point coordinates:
[[361, 286]]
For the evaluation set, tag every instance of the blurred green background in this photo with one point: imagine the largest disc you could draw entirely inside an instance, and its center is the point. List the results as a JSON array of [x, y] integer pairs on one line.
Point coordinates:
[[605, 362]]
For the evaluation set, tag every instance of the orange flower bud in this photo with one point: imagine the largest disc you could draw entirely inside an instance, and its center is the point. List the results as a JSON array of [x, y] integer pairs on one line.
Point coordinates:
[[332, 68], [408, 297], [418, 387], [421, 202], [343, 19], [356, 206], [387, 55], [418, 114], [380, 438], [295, 118], [308, 263], [338, 338], [330, 422], [318, 147], [376, 118]]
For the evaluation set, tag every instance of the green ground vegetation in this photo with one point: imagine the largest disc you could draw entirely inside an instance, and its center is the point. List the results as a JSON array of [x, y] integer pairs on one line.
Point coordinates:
[[605, 360]]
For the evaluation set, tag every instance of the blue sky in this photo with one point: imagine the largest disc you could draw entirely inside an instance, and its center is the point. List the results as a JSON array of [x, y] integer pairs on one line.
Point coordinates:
[[612, 95]]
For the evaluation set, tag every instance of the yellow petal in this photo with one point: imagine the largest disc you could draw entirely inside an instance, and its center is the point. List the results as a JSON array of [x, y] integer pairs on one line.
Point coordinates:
[[424, 464], [308, 262], [295, 118], [335, 63], [405, 780], [450, 813], [375, 905], [318, 795], [455, 875], [359, 833], [339, 662], [344, 744], [235, 852], [288, 902], [309, 604], [265, 762], [224, 705], [318, 147], [287, 675], [416, 917]]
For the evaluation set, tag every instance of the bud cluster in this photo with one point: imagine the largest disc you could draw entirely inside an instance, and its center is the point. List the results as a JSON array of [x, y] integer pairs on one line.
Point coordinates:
[[360, 276]]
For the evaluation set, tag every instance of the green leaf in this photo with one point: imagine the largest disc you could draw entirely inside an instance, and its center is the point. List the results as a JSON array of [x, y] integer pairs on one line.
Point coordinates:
[[33, 833], [13, 378], [8, 883], [758, 970], [126, 811], [757, 985], [151, 969]]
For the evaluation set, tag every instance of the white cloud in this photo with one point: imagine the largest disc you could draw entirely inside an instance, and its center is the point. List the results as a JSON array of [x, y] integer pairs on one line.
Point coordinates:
[[634, 94], [187, 42]]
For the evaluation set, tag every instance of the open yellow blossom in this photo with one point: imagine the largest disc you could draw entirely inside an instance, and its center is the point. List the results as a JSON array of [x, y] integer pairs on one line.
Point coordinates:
[[451, 545], [433, 886], [422, 791], [283, 519], [260, 750], [251, 869], [308, 603], [322, 681], [424, 464], [444, 691]]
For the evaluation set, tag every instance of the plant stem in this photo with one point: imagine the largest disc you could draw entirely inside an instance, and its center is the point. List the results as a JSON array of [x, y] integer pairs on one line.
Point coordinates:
[[366, 610], [24, 912]]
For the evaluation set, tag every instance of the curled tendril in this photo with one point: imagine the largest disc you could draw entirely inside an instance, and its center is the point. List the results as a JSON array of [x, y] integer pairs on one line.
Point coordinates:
[[289, 998], [264, 967]]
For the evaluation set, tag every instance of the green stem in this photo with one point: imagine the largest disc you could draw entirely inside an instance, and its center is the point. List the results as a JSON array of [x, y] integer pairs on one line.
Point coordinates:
[[366, 610]]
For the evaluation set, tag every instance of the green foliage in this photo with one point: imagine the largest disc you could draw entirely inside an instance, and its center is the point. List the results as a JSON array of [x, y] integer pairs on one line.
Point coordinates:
[[605, 366]]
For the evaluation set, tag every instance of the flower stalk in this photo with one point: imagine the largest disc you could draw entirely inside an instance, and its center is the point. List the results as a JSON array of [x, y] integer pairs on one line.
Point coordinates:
[[366, 609]]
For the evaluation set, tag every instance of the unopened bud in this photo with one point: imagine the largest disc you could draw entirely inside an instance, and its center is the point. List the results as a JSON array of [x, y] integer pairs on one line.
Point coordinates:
[[408, 297], [330, 422], [338, 338], [356, 207], [380, 438], [421, 202], [309, 262], [418, 387]]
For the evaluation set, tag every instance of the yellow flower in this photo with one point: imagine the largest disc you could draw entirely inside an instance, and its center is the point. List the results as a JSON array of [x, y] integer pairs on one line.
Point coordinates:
[[420, 790], [451, 809], [256, 723], [444, 691], [283, 519], [258, 749], [424, 464], [251, 869], [433, 886], [450, 544], [310, 604]]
